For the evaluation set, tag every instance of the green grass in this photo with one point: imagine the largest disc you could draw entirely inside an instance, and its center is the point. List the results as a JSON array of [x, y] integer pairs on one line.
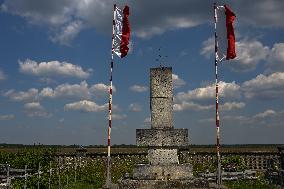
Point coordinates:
[[250, 184], [79, 185]]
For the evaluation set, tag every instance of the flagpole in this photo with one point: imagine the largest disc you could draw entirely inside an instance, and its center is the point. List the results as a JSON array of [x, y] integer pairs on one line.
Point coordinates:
[[108, 179], [219, 179]]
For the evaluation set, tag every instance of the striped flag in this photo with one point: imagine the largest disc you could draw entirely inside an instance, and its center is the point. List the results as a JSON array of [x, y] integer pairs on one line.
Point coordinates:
[[224, 48], [119, 44], [225, 32], [121, 31]]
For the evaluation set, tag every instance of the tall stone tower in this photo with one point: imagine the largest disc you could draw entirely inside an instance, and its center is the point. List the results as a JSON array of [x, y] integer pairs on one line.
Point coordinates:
[[161, 98], [163, 141]]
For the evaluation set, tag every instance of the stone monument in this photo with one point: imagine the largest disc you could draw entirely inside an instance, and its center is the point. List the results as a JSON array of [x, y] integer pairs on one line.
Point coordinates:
[[281, 154], [163, 141]]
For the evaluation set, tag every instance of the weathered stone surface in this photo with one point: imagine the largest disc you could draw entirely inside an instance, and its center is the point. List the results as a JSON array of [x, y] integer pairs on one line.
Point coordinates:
[[161, 113], [166, 184], [162, 156], [163, 172], [162, 137], [161, 98], [281, 152], [161, 84]]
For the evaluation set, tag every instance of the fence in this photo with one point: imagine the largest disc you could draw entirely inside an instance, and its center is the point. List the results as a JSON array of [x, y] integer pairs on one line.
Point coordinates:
[[56, 169], [65, 170]]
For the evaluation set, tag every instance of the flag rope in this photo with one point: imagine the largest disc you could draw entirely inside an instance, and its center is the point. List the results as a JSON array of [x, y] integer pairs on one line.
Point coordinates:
[[108, 179], [217, 102]]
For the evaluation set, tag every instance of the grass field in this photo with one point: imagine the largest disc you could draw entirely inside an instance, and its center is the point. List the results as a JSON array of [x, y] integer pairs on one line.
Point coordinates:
[[92, 174]]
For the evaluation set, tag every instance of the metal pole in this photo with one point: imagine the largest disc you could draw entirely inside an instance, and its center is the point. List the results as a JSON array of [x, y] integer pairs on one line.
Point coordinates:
[[50, 173], [108, 179], [8, 176], [38, 183], [75, 170], [219, 179], [25, 184], [67, 177], [59, 167]]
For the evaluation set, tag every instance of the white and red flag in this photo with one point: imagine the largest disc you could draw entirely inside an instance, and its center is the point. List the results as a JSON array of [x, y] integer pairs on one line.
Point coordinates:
[[224, 49], [225, 32], [120, 42], [121, 31]]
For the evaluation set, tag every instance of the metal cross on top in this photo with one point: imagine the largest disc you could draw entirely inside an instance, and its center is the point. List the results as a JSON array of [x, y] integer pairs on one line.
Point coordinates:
[[160, 57]]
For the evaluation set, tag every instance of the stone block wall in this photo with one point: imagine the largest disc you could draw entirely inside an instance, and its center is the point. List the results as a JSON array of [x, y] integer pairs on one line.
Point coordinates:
[[162, 156], [163, 172], [161, 82], [161, 98], [159, 137]]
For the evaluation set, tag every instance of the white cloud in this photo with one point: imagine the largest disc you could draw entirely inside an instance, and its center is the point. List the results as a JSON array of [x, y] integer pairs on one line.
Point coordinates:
[[233, 119], [276, 58], [119, 116], [249, 53], [208, 47], [226, 90], [47, 92], [200, 99], [30, 95], [134, 107], [66, 18], [138, 88], [79, 91], [191, 106], [270, 16], [68, 33], [265, 114], [228, 106], [267, 87], [47, 80], [36, 12], [147, 121], [2, 75], [35, 109], [183, 53], [62, 120], [177, 81], [207, 120], [101, 89], [232, 105], [52, 69], [266, 118], [237, 119], [70, 91], [7, 117], [33, 106], [85, 106]]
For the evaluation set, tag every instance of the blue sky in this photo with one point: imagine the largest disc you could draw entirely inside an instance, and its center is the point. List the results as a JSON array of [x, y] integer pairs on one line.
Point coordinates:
[[54, 71]]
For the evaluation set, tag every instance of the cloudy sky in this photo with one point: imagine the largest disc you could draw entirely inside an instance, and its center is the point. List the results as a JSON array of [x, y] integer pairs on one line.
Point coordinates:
[[54, 70]]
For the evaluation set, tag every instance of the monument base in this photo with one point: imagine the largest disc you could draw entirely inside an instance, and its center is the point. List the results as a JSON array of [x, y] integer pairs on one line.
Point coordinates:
[[163, 184], [163, 172]]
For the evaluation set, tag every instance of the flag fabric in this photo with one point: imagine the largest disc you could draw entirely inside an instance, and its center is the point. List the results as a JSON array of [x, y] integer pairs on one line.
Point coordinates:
[[224, 48], [122, 32], [225, 33], [120, 42], [230, 17]]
